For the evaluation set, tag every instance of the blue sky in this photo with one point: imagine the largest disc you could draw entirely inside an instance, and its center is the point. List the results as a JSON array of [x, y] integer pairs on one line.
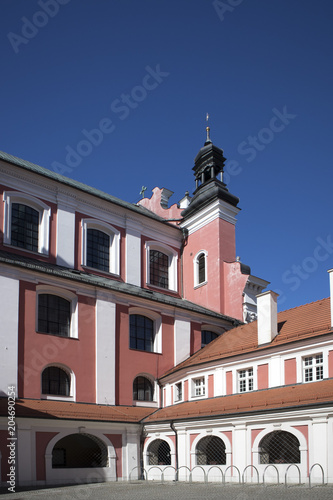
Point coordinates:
[[145, 73]]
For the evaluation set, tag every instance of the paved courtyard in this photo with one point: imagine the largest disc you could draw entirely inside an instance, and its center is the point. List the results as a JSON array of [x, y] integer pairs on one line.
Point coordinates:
[[177, 491]]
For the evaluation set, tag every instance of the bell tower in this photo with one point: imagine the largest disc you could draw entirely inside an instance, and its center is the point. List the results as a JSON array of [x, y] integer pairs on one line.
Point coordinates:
[[213, 275]]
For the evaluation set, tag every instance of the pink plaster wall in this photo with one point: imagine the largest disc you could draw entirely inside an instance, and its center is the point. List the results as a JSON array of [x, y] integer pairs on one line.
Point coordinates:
[[228, 376], [263, 376], [154, 205], [211, 386], [116, 440], [131, 362], [38, 350], [330, 363], [42, 440], [225, 283], [290, 371]]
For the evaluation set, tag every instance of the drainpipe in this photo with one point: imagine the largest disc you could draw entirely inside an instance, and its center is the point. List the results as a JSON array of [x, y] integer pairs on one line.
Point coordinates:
[[185, 234], [142, 442], [176, 440]]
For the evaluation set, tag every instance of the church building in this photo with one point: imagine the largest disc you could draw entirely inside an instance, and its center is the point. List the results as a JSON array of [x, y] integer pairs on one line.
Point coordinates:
[[134, 344]]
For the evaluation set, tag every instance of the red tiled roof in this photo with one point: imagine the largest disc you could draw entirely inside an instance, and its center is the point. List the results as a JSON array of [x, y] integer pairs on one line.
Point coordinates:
[[264, 400], [75, 411], [309, 320]]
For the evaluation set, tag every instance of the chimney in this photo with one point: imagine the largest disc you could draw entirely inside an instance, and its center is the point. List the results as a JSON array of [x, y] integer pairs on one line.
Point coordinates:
[[267, 316], [331, 294]]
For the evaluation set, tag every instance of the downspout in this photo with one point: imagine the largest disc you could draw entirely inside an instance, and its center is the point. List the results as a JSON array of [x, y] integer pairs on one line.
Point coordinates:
[[142, 442], [185, 234], [176, 446]]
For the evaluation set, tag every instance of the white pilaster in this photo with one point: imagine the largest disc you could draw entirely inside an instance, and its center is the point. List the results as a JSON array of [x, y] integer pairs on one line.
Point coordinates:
[[9, 314], [182, 343], [105, 350], [275, 375], [25, 456], [318, 448], [133, 253], [65, 236]]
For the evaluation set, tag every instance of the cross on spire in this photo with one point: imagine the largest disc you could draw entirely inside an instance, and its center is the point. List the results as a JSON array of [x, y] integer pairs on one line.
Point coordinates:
[[142, 192]]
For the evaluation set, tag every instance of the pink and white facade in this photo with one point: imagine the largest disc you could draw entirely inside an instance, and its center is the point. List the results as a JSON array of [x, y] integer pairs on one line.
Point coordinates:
[[106, 307]]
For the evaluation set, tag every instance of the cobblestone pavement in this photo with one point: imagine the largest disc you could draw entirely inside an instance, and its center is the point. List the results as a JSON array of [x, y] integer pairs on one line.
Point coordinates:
[[178, 491]]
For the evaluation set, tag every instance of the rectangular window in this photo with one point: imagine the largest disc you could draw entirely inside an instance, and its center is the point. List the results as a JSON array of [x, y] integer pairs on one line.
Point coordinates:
[[199, 387], [24, 227], [245, 380], [313, 368], [98, 250], [54, 315], [159, 269], [179, 392]]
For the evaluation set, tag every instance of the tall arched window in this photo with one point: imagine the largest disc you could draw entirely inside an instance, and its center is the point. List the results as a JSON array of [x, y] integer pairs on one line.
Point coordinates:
[[142, 389], [279, 447], [79, 451], [211, 451], [159, 453], [55, 381], [200, 268], [141, 333]]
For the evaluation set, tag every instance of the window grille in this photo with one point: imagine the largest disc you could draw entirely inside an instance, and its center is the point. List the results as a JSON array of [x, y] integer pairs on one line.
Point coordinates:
[[159, 453], [54, 315], [142, 389], [313, 368], [245, 380], [79, 451], [55, 382], [158, 269], [211, 451], [207, 336], [141, 333], [24, 227], [199, 386], [98, 250], [279, 447]]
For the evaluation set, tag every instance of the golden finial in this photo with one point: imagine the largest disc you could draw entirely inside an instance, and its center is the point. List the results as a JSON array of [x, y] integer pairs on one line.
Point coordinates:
[[208, 140]]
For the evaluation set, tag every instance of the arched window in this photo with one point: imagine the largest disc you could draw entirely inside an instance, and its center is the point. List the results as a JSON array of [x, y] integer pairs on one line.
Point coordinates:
[[141, 333], [26, 222], [161, 262], [200, 268], [279, 447], [100, 246], [142, 389], [55, 381], [211, 451], [159, 453], [79, 451], [54, 314], [207, 336]]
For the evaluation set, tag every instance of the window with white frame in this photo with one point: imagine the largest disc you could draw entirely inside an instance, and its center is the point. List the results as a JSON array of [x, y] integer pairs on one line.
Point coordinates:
[[200, 268], [245, 380], [26, 222], [56, 311], [57, 382], [100, 246], [161, 265], [145, 330], [179, 391], [313, 368], [198, 387]]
